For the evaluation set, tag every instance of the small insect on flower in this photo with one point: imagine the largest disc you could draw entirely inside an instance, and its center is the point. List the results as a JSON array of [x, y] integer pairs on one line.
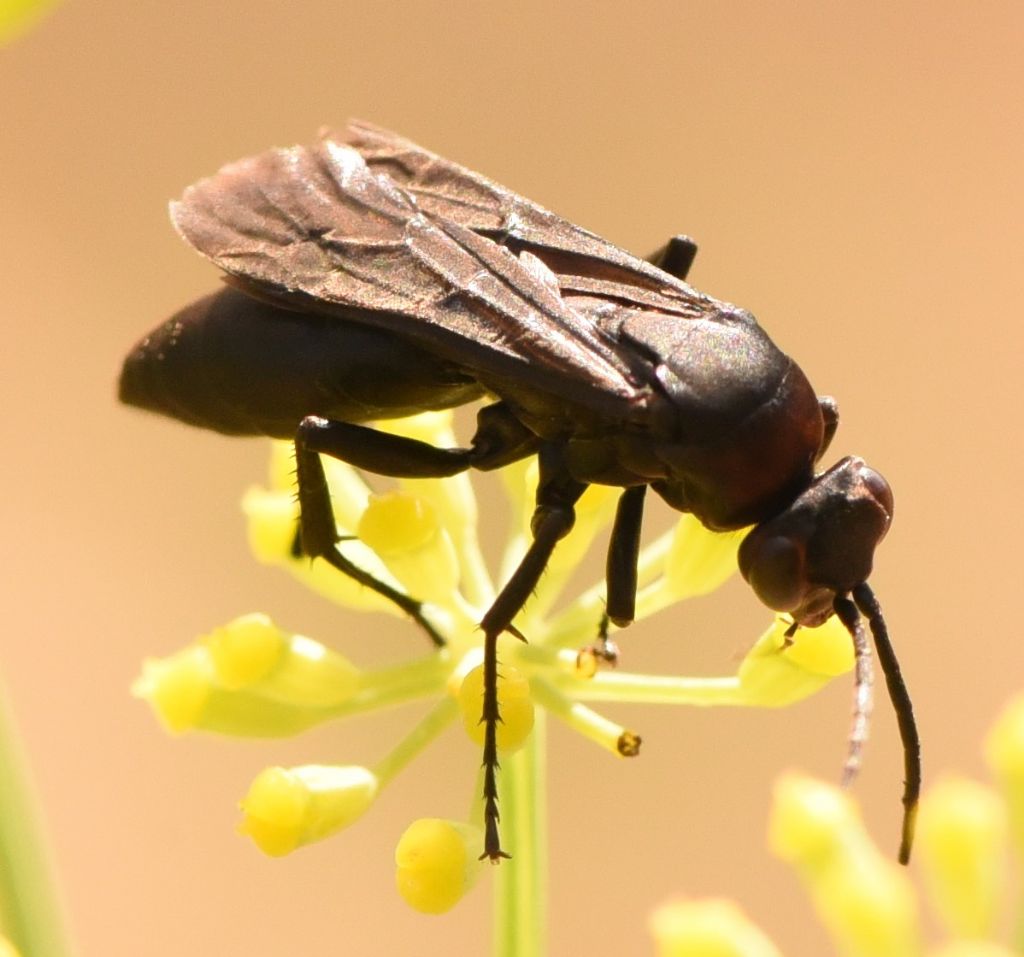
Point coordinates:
[[370, 279]]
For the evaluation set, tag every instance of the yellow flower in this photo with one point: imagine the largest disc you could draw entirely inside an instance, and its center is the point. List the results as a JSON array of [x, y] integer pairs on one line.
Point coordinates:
[[286, 808], [253, 677], [707, 928], [962, 839], [862, 896], [1004, 749], [869, 905], [436, 862]]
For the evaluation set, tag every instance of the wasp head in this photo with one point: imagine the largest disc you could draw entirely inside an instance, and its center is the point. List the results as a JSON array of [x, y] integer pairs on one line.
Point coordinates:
[[820, 546]]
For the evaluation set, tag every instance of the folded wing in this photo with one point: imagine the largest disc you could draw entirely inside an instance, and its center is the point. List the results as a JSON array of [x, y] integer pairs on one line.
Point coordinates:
[[584, 262], [316, 228]]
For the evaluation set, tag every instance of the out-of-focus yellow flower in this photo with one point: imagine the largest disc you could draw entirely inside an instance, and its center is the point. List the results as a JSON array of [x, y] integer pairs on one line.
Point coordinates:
[[707, 928], [7, 949], [863, 897], [251, 677], [962, 841], [1004, 749], [972, 948], [867, 903]]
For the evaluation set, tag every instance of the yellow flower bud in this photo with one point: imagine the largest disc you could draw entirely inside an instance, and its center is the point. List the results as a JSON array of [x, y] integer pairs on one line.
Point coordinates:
[[707, 928], [437, 862], [272, 519], [699, 560], [177, 688], [864, 899], [778, 670], [404, 530], [185, 695], [809, 819], [826, 650], [514, 703], [1004, 750], [245, 650], [868, 905], [287, 808], [273, 522], [961, 834], [251, 652]]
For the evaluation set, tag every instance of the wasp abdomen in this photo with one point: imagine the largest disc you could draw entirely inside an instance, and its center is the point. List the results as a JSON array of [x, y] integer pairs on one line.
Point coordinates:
[[241, 366]]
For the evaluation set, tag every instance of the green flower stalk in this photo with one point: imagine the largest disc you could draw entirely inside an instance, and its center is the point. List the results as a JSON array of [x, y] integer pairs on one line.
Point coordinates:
[[252, 677], [31, 922]]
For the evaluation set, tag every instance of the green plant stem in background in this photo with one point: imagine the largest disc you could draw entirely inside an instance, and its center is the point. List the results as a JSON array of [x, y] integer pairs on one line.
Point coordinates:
[[520, 906], [30, 916]]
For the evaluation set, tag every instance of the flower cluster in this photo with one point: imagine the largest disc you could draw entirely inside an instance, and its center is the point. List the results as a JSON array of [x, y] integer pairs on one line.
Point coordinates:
[[251, 677], [968, 833]]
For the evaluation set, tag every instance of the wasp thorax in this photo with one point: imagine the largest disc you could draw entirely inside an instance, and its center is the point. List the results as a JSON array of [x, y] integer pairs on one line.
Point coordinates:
[[821, 545], [751, 455]]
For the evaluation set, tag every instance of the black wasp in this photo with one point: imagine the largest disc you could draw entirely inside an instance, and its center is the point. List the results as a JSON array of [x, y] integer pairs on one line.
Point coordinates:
[[370, 279]]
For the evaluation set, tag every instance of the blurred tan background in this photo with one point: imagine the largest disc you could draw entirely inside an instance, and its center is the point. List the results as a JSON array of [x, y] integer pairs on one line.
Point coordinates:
[[852, 174]]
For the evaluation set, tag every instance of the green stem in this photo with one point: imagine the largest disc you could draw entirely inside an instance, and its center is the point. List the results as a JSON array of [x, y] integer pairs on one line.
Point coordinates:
[[413, 743], [520, 925], [30, 916]]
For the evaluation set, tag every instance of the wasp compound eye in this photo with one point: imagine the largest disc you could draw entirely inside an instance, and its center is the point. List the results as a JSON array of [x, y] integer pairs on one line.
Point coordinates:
[[774, 567]]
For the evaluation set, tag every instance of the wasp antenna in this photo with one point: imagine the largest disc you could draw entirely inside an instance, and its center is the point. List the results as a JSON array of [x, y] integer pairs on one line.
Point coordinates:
[[863, 687], [904, 708]]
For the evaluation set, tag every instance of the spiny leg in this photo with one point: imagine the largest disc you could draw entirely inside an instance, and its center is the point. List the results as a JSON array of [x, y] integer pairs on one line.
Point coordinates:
[[553, 518], [900, 697], [500, 438], [376, 451]]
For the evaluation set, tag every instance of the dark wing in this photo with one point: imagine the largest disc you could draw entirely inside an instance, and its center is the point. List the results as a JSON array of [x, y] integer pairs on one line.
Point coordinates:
[[585, 263], [315, 228]]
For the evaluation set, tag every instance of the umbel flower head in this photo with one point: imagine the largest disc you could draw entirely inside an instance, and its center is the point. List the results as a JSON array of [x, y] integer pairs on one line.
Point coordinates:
[[970, 843], [252, 677]]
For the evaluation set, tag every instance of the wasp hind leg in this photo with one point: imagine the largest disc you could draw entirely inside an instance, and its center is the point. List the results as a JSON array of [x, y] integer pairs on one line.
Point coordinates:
[[375, 451], [500, 438]]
